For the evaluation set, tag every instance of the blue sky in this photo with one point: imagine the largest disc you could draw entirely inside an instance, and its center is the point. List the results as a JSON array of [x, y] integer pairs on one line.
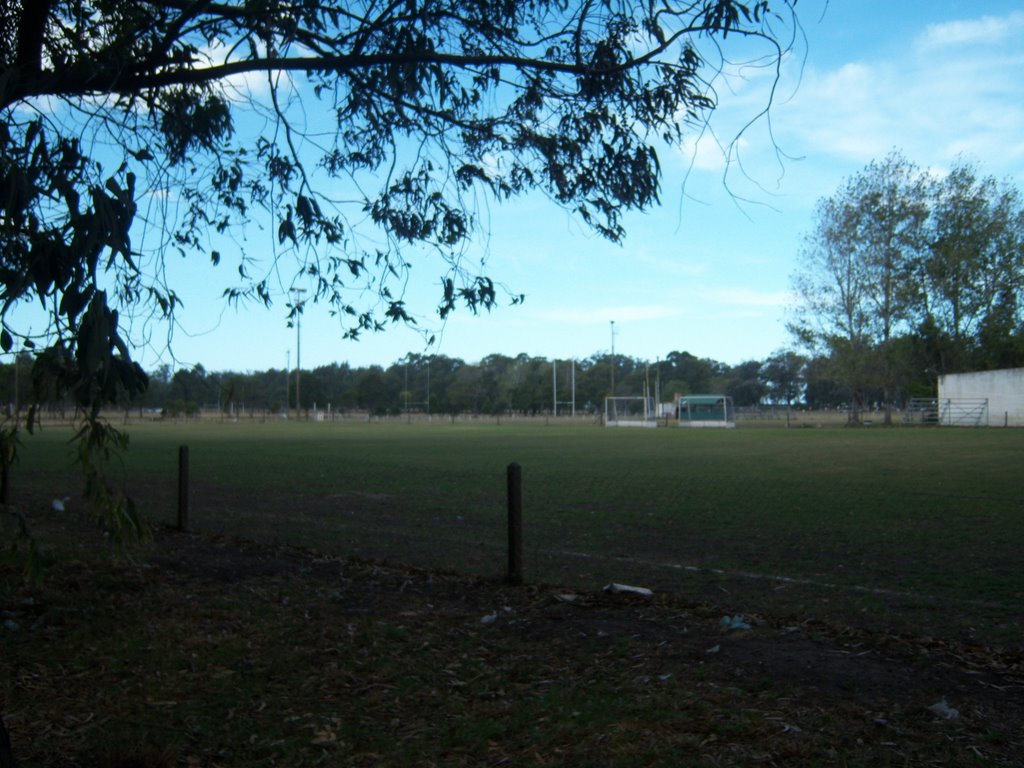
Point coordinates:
[[705, 272]]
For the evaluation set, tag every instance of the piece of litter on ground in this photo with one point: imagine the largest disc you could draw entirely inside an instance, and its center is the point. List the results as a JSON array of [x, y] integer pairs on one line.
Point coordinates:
[[490, 618], [565, 597], [617, 589], [943, 710], [733, 623], [713, 649]]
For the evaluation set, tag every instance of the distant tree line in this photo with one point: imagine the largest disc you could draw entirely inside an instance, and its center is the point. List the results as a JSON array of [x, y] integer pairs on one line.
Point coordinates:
[[437, 384], [496, 385]]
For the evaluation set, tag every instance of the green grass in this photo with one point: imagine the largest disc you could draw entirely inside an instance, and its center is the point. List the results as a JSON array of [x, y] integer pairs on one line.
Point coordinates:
[[849, 516], [900, 551]]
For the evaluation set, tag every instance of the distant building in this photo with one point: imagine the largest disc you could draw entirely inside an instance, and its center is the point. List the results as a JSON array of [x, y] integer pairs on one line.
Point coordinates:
[[982, 399]]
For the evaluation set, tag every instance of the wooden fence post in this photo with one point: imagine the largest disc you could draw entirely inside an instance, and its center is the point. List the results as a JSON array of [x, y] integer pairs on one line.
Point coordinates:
[[183, 488], [515, 524]]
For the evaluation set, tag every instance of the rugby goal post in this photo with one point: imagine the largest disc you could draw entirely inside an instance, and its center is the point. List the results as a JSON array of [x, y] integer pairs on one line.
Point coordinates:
[[630, 412]]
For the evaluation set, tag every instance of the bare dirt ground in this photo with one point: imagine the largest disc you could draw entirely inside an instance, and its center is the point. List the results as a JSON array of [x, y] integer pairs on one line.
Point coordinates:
[[337, 658]]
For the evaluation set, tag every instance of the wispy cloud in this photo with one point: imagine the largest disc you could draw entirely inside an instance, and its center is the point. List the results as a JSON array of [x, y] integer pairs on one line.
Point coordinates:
[[689, 305], [956, 91], [986, 30]]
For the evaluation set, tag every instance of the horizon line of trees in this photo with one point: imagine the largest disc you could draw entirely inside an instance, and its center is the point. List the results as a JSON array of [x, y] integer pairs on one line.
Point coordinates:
[[496, 385]]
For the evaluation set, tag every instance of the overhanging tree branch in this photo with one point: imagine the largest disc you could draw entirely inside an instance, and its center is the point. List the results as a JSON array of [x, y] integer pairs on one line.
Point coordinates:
[[421, 108]]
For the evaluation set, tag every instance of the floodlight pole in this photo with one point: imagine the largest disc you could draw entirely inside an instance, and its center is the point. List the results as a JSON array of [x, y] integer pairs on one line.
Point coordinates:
[[554, 388], [613, 360], [647, 389], [298, 350], [657, 387]]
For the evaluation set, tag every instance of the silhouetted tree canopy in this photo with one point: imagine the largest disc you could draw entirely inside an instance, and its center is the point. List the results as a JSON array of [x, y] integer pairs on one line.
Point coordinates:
[[351, 140]]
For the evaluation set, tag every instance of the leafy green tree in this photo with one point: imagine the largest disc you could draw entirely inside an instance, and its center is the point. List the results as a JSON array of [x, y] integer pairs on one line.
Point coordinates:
[[855, 283], [375, 392], [194, 386], [494, 398], [331, 386], [158, 388], [784, 377], [905, 277], [822, 391], [697, 374], [465, 392], [744, 383], [528, 383], [974, 271], [16, 382]]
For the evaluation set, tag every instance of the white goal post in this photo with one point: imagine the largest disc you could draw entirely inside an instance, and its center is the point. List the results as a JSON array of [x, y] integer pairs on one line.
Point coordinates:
[[630, 412]]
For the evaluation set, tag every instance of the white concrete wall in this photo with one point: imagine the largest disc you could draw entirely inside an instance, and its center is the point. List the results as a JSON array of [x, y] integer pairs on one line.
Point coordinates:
[[1004, 390]]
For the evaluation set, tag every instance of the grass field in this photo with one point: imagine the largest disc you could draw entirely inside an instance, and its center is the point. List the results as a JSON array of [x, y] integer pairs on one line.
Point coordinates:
[[879, 571], [899, 525]]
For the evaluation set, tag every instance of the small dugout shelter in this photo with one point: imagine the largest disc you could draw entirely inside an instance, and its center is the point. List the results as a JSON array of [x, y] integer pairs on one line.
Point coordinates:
[[982, 398], [706, 411]]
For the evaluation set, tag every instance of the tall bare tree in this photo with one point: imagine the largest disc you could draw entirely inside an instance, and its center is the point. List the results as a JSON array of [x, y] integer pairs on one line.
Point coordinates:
[[832, 313]]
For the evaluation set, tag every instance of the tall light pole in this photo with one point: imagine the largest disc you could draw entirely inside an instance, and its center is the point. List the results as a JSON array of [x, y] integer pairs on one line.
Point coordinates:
[[298, 350], [574, 387], [554, 388], [612, 394]]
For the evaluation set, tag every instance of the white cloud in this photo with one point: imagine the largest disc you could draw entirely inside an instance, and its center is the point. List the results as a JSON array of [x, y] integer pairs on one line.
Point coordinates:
[[248, 86], [932, 102], [984, 31]]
